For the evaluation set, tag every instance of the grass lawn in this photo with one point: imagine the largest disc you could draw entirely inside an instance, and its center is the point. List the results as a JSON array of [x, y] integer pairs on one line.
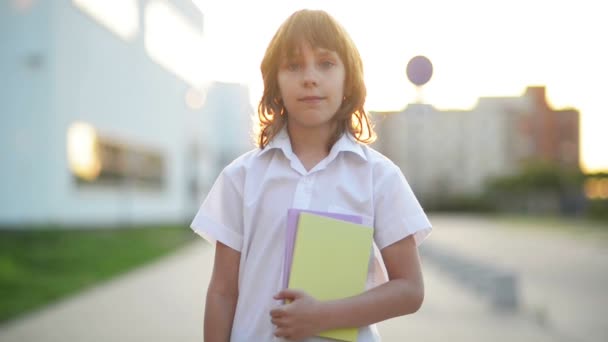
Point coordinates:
[[38, 266]]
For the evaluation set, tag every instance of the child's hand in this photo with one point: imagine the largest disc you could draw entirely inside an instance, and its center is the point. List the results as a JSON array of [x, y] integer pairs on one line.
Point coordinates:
[[298, 319]]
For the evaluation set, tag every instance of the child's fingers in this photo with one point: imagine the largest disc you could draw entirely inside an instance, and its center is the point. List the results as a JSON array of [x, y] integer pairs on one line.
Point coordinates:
[[282, 332], [282, 295], [279, 322], [277, 312], [289, 294]]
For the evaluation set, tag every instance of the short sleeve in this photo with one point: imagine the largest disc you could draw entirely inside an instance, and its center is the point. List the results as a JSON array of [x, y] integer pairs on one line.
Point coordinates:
[[220, 217], [398, 213]]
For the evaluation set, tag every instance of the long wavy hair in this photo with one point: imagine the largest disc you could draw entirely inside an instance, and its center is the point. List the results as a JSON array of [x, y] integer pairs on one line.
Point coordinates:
[[320, 30]]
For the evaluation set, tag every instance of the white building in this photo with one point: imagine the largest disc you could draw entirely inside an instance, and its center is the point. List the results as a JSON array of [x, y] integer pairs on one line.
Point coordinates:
[[447, 154], [101, 119]]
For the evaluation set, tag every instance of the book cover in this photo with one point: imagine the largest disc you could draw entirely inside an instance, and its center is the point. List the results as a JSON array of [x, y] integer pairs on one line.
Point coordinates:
[[330, 261], [293, 216]]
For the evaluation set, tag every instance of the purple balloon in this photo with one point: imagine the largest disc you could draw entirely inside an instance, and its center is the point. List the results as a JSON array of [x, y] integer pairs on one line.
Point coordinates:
[[419, 70]]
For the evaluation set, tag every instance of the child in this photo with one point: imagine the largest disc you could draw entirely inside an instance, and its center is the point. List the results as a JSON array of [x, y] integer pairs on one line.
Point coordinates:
[[311, 155]]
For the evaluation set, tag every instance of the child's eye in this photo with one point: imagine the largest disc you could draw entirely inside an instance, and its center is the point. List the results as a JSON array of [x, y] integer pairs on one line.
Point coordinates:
[[293, 66], [327, 64]]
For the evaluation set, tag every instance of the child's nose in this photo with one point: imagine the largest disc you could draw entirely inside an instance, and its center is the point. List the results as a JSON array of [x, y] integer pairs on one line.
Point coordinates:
[[310, 76]]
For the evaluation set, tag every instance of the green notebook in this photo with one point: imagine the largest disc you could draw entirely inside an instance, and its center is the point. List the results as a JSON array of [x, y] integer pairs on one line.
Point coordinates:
[[330, 261]]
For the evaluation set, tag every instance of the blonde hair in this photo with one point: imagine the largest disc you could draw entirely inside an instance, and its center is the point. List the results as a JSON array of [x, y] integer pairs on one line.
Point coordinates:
[[319, 29]]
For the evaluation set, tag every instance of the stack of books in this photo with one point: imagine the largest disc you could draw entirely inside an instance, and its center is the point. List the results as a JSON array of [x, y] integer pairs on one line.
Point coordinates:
[[327, 255]]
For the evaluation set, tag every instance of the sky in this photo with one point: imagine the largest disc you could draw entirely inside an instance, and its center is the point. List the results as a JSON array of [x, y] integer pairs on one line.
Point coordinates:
[[478, 48]]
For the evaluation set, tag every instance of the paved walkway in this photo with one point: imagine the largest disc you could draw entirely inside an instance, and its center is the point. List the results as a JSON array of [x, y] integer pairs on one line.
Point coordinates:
[[563, 282], [563, 277], [164, 302], [450, 313], [159, 302]]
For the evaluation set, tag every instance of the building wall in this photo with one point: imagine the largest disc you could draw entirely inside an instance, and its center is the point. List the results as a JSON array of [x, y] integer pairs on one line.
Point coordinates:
[[553, 134], [112, 84], [227, 130], [26, 61], [83, 72], [228, 121], [447, 154]]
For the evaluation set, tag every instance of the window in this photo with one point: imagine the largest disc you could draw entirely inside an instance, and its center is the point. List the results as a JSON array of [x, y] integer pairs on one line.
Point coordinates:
[[122, 163], [101, 160]]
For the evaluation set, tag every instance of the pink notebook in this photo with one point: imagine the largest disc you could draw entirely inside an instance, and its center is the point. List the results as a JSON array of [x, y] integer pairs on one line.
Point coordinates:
[[293, 216]]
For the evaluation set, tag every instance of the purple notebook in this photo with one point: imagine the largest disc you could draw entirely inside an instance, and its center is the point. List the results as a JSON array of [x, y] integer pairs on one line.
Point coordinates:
[[293, 216]]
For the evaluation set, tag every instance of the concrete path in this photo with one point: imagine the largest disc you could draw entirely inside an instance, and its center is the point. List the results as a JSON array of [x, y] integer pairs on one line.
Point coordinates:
[[563, 277], [164, 302], [160, 302], [452, 314]]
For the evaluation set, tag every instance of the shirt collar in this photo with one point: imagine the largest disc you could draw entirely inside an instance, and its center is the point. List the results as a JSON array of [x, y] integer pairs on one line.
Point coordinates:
[[346, 143], [279, 141]]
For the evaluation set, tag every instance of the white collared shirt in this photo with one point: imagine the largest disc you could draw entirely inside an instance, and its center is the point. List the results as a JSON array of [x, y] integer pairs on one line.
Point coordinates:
[[246, 209]]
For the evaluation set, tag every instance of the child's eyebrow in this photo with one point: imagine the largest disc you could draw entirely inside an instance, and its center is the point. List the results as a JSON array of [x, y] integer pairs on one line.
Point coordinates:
[[319, 52], [324, 52], [292, 54]]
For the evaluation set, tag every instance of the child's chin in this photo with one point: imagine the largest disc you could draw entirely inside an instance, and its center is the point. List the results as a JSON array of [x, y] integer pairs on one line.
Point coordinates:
[[313, 122]]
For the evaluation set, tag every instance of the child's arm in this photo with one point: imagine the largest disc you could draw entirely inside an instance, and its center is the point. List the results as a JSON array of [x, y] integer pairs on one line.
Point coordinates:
[[222, 294], [401, 295]]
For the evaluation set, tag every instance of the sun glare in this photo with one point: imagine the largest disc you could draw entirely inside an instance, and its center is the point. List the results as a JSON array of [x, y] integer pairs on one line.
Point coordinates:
[[174, 43], [477, 49], [119, 16], [82, 151]]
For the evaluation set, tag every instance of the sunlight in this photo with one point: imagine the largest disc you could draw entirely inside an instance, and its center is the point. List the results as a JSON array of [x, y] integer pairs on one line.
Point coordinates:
[[174, 43], [119, 16], [477, 48], [195, 99], [82, 151], [596, 188]]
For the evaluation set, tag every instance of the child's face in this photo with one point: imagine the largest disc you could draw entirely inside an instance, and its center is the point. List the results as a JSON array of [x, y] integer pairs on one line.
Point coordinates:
[[312, 86]]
